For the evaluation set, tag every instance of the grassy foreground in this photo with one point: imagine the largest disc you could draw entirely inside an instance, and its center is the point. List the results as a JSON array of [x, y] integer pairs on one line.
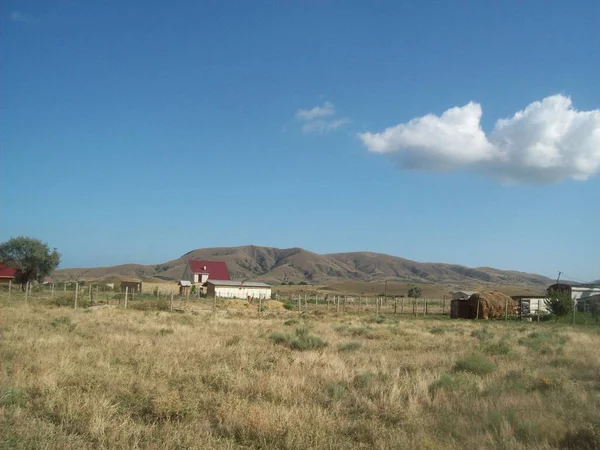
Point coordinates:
[[111, 378]]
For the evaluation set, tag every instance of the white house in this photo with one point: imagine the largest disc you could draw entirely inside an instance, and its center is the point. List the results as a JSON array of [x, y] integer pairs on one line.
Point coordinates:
[[579, 292], [198, 272], [238, 289]]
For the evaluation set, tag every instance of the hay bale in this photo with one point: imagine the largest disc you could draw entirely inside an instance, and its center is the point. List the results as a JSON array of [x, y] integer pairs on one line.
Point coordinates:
[[491, 304], [273, 305]]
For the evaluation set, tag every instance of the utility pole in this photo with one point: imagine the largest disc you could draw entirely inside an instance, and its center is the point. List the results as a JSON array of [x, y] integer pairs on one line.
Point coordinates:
[[558, 277]]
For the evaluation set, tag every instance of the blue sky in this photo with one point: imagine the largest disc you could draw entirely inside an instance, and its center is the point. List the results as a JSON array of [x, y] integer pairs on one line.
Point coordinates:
[[136, 134]]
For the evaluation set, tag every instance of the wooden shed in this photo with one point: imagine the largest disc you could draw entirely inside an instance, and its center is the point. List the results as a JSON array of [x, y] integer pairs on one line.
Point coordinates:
[[133, 286], [483, 305], [185, 287]]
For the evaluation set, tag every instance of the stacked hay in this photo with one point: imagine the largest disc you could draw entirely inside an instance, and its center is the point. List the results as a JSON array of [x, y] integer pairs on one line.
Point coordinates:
[[236, 304], [273, 305], [492, 304]]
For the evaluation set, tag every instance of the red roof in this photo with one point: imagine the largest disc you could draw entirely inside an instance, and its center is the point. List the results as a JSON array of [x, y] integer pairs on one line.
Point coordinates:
[[9, 272], [216, 270]]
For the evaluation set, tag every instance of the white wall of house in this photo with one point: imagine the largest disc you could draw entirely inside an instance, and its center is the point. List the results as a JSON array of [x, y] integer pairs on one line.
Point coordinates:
[[244, 292], [583, 292]]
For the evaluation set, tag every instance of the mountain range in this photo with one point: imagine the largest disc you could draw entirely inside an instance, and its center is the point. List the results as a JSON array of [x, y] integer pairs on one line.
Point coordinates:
[[296, 265]]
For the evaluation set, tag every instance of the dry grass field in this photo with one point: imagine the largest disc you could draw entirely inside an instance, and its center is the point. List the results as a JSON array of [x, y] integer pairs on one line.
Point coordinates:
[[114, 378]]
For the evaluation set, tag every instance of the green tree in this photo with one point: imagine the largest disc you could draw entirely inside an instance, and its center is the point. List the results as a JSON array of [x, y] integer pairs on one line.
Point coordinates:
[[414, 292], [31, 257], [559, 303]]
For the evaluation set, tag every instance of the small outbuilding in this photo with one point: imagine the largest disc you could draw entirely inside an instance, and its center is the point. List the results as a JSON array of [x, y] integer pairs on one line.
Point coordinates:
[[531, 305], [133, 286], [483, 305], [7, 274], [462, 295], [246, 290], [185, 287]]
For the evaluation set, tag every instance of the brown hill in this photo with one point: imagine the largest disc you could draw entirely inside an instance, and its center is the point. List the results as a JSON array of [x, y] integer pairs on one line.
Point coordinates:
[[276, 266]]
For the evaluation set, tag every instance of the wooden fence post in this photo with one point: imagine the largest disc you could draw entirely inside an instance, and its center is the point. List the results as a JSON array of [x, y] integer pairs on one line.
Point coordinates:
[[444, 306], [65, 288], [477, 316], [425, 308], [171, 302], [402, 306], [91, 299], [377, 302], [52, 294], [327, 298], [395, 305], [126, 295], [505, 309], [76, 294], [299, 304], [338, 303], [214, 303], [9, 288]]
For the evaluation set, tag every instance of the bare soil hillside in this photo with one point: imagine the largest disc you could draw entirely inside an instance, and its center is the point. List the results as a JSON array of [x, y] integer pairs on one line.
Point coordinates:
[[296, 265]]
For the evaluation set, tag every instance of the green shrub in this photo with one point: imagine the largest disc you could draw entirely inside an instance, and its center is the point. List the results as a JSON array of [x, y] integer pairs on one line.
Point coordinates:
[[301, 341], [279, 338], [482, 334], [500, 347], [164, 331], [475, 363], [63, 322], [364, 379], [586, 437], [307, 342], [437, 330], [349, 346], [542, 341], [361, 331], [377, 319], [13, 396], [336, 391], [454, 382], [290, 322]]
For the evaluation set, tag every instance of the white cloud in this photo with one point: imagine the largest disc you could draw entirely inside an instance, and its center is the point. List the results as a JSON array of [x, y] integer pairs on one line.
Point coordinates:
[[324, 126], [319, 120], [18, 16], [316, 113], [546, 142]]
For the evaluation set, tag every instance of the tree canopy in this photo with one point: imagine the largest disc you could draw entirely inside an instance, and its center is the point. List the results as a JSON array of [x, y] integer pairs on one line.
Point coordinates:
[[31, 257], [559, 303], [414, 292]]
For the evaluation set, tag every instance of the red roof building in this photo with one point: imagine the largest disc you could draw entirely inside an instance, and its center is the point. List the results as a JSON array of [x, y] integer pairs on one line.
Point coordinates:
[[201, 271], [8, 273]]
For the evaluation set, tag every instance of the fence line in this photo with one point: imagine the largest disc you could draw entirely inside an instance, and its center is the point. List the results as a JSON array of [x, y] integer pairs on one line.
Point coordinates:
[[87, 295]]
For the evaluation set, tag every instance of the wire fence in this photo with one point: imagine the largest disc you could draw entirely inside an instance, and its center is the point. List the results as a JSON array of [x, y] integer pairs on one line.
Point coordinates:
[[78, 295]]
